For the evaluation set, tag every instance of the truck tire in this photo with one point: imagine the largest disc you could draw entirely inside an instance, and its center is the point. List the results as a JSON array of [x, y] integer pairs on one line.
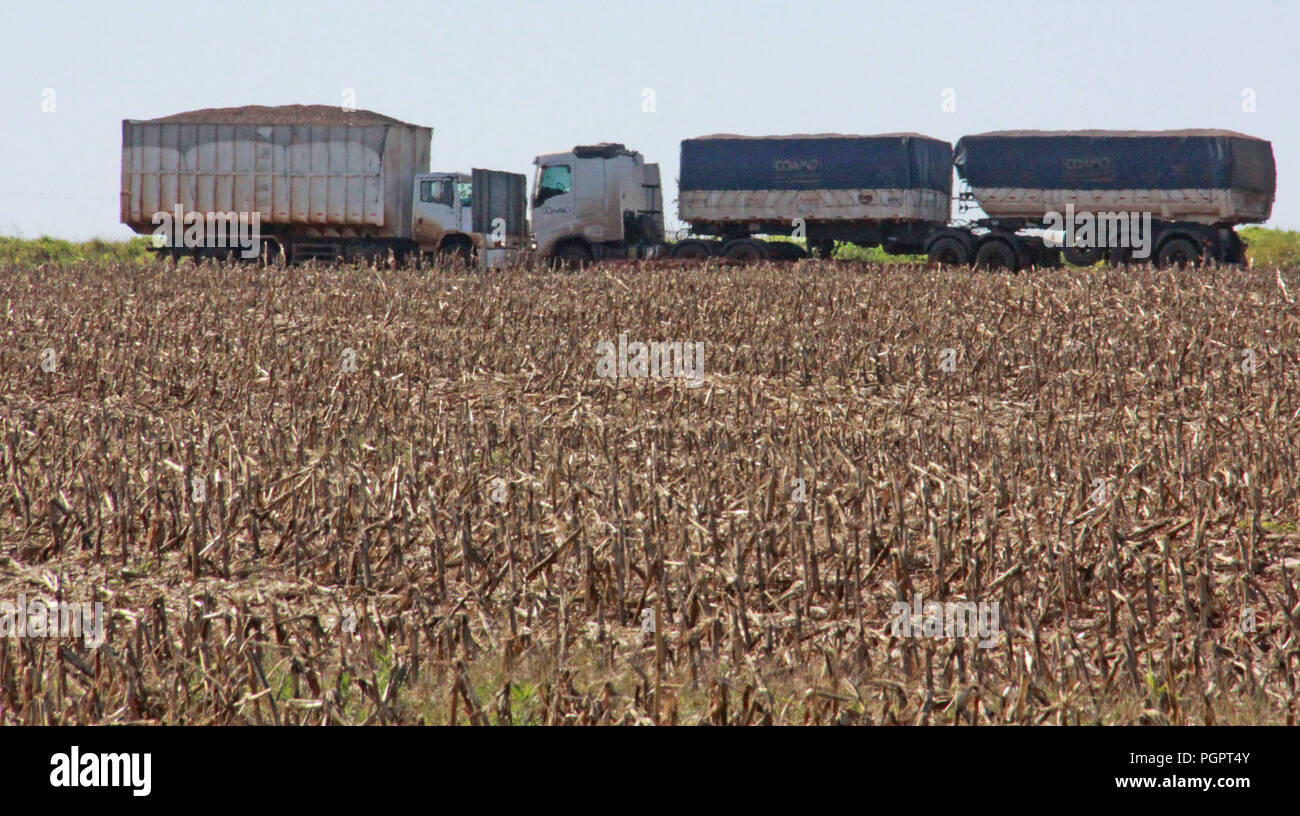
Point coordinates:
[[1119, 256], [573, 255], [785, 251], [457, 252], [949, 252], [1044, 257], [825, 249], [271, 254], [746, 250], [691, 250], [1234, 250], [1179, 252], [1083, 256], [996, 254]]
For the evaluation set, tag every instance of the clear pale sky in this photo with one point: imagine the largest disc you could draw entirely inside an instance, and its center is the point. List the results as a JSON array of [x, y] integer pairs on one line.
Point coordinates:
[[502, 81]]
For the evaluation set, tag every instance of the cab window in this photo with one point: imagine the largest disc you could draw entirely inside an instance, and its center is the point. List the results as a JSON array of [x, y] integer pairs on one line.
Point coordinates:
[[553, 180], [465, 191], [436, 191]]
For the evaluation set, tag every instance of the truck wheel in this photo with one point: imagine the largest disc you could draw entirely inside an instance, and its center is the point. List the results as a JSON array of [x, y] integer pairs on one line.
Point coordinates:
[[1083, 256], [1235, 250], [824, 249], [458, 252], [786, 251], [573, 255], [691, 250], [949, 251], [1119, 256], [1046, 257], [746, 250], [271, 254], [1179, 252], [996, 254]]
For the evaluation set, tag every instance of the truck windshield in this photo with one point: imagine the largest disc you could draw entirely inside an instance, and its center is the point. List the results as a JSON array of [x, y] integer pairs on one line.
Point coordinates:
[[552, 180]]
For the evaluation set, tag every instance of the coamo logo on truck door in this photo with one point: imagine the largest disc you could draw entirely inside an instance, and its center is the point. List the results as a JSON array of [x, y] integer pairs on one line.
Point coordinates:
[[1089, 168], [795, 170]]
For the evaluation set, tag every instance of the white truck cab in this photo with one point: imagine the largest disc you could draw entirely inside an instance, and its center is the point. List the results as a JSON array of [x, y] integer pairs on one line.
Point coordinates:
[[597, 201], [469, 215]]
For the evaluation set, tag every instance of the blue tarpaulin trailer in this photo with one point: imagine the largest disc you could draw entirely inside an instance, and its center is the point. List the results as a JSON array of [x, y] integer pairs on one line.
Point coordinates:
[[902, 161], [1213, 177], [879, 189]]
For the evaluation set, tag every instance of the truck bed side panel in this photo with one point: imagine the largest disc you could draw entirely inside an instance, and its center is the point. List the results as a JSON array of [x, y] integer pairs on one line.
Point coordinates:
[[500, 195], [331, 179], [813, 205], [894, 177]]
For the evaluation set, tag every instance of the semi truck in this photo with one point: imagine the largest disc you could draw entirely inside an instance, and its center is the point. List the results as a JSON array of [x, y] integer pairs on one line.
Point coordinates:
[[603, 201], [895, 191], [318, 181], [597, 201]]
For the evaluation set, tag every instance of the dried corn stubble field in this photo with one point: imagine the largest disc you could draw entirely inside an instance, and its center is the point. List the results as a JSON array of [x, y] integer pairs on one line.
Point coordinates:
[[350, 562]]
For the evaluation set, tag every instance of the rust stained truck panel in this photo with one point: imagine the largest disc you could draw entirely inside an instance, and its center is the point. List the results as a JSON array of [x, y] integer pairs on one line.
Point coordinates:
[[298, 167]]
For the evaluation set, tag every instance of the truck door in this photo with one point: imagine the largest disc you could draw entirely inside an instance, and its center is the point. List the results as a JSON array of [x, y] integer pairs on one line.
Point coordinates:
[[500, 200], [437, 207], [553, 202]]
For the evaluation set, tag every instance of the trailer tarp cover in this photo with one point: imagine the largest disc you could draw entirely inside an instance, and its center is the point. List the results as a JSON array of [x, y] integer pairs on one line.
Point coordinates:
[[1117, 160], [896, 161]]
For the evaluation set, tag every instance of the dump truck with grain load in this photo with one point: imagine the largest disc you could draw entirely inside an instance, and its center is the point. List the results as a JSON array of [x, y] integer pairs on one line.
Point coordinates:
[[1193, 186], [316, 181], [890, 189]]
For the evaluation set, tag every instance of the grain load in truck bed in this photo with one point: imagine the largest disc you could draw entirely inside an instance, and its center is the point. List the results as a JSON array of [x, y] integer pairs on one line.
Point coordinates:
[[278, 115], [1204, 176], [330, 171], [823, 177]]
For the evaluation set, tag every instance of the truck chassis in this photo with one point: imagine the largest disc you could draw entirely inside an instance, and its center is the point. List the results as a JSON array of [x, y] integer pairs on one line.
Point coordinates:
[[987, 243]]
